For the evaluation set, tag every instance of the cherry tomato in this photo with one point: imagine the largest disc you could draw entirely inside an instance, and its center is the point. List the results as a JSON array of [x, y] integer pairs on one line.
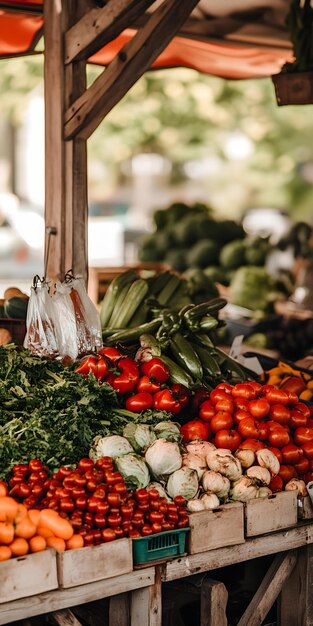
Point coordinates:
[[35, 465], [37, 491], [156, 527], [180, 500], [112, 478], [81, 503], [280, 413], [104, 463], [67, 505], [77, 492], [229, 439], [153, 494], [103, 507], [108, 534], [142, 495], [134, 534], [156, 516], [195, 429], [126, 511], [20, 469], [114, 499], [92, 504], [100, 520], [222, 420], [259, 408], [146, 530], [183, 522], [100, 492]]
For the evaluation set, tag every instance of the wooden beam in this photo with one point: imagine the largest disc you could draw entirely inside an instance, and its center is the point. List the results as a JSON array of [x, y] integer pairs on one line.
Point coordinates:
[[269, 589], [86, 113], [99, 26], [64, 618], [65, 164], [146, 603], [295, 607], [119, 610], [213, 601]]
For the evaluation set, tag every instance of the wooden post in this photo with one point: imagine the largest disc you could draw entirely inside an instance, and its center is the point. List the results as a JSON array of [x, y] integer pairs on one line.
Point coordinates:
[[65, 163], [295, 607], [213, 601]]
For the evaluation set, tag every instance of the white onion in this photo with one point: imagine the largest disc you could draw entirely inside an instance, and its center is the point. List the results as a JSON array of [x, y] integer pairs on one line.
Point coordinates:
[[266, 458], [210, 501], [216, 483], [221, 460], [195, 462], [259, 473], [264, 492], [244, 490], [195, 505], [200, 448], [246, 457], [295, 484]]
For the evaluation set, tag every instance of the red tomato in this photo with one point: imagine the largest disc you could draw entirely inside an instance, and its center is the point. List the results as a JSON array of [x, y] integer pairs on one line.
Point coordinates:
[[146, 530], [276, 396], [206, 411], [139, 402], [303, 466], [280, 413], [303, 435], [225, 405], [277, 453], [108, 534], [113, 499], [278, 437], [155, 369], [276, 484], [241, 403], [257, 386], [224, 387], [263, 430], [240, 415], [297, 419], [292, 397], [308, 477], [221, 420], [293, 383], [218, 394], [244, 390], [259, 408], [251, 444], [100, 520], [287, 472], [307, 448], [195, 429], [35, 465], [229, 439], [85, 464], [303, 408], [291, 454], [142, 495], [248, 427]]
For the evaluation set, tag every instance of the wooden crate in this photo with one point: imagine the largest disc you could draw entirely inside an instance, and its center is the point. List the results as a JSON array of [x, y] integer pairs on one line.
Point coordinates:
[[89, 564], [99, 278], [28, 575], [215, 529], [265, 515], [305, 508]]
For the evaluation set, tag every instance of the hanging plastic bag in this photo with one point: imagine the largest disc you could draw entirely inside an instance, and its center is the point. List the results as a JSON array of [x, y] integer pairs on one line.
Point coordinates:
[[40, 336], [88, 326], [65, 328]]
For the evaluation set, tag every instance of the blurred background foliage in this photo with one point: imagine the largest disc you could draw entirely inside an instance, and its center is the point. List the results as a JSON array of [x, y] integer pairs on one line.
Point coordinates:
[[228, 138]]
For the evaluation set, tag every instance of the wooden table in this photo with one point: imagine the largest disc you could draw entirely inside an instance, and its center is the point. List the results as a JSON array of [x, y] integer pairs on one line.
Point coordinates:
[[290, 577]]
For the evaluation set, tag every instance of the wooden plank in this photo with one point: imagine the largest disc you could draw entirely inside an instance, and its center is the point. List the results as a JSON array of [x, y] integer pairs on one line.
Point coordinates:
[[295, 607], [28, 575], [266, 515], [86, 565], [213, 529], [213, 601], [99, 26], [119, 610], [270, 587], [86, 113], [66, 598], [146, 603], [65, 165], [305, 508], [251, 549], [64, 618]]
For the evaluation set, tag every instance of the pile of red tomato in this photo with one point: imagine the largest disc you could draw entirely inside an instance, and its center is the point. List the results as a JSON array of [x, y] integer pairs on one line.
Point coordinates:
[[254, 416], [96, 501], [144, 387]]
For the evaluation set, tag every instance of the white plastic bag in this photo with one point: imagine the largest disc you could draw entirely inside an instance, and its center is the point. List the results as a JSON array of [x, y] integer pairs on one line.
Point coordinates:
[[41, 336]]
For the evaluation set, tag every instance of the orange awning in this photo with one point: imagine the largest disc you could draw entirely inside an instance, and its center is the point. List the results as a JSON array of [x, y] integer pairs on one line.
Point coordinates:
[[247, 40]]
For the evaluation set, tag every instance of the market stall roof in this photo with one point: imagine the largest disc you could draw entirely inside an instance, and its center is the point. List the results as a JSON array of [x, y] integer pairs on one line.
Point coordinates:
[[232, 39]]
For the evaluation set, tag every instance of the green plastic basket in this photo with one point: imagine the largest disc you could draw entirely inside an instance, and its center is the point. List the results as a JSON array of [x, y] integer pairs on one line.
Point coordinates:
[[159, 546]]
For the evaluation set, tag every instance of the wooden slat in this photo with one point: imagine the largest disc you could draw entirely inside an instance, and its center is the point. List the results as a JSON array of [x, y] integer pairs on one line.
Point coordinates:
[[146, 604], [65, 164], [119, 610], [251, 549], [213, 601], [295, 606], [133, 60], [64, 618], [215, 529], [99, 26], [65, 598], [269, 589]]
